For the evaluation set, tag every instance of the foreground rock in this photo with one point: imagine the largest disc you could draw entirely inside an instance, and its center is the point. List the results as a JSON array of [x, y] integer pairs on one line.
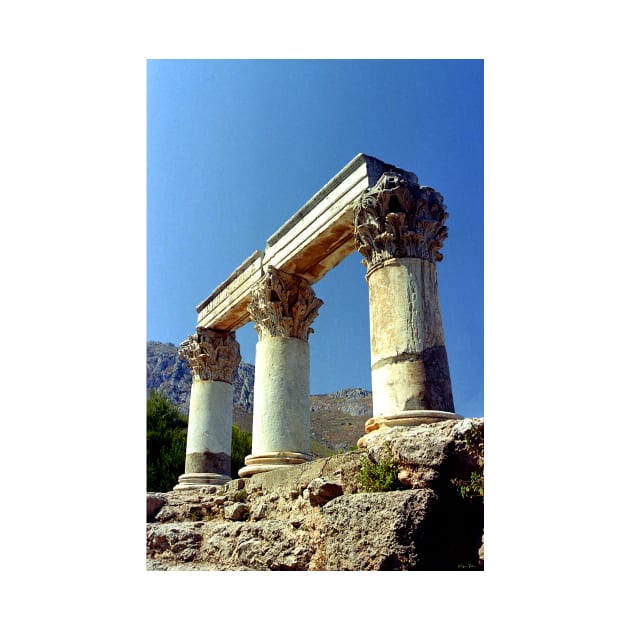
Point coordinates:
[[314, 517]]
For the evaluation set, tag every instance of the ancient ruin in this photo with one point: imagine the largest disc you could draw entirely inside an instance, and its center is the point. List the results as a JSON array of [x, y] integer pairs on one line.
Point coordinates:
[[213, 357], [398, 227]]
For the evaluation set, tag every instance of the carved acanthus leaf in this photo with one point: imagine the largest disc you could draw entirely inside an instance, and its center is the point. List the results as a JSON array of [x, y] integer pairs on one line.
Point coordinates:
[[283, 305], [211, 354], [399, 219]]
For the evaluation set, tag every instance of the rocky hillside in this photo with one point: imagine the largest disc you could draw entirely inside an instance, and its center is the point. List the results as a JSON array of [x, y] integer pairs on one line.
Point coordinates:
[[337, 419], [167, 373]]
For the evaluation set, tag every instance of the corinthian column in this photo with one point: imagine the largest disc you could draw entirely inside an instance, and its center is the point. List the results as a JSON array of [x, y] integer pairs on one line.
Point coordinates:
[[213, 356], [282, 307], [399, 230]]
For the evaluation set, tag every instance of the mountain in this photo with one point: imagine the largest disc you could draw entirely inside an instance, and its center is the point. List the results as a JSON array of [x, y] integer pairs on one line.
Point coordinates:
[[167, 373], [337, 419]]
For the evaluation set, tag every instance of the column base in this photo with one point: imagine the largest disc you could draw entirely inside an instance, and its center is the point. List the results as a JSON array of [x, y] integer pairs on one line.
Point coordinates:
[[255, 464], [411, 418], [190, 481]]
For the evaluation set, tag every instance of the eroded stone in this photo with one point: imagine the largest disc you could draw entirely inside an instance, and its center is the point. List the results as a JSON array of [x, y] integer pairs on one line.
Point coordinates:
[[322, 490]]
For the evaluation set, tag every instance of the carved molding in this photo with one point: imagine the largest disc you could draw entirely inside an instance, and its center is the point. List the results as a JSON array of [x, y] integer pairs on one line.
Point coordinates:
[[212, 355], [283, 305], [399, 219]]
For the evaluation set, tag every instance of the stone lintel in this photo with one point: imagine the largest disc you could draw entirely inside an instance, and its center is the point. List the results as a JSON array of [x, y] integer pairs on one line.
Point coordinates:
[[226, 307], [313, 241], [320, 234]]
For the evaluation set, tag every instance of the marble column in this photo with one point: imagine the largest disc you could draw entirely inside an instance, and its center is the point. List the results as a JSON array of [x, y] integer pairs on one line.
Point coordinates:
[[282, 307], [399, 230], [213, 357]]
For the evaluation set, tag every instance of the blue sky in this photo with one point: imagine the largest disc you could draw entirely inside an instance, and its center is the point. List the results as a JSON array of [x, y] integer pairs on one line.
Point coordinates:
[[234, 148]]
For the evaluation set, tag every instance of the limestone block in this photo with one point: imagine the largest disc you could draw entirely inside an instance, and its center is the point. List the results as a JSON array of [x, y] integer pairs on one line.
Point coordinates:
[[155, 503], [259, 510], [267, 545], [235, 511], [170, 541], [427, 452], [321, 490], [382, 531]]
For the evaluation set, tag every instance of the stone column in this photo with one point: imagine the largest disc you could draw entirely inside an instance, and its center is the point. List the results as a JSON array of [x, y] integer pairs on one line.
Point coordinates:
[[213, 356], [282, 307], [399, 230]]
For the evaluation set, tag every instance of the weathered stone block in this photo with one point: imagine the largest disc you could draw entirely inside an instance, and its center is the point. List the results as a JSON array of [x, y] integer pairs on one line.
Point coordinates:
[[382, 531], [235, 511], [322, 490], [259, 510], [155, 502]]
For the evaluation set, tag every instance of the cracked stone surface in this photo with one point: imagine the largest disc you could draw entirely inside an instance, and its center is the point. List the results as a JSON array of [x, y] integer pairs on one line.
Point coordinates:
[[312, 517]]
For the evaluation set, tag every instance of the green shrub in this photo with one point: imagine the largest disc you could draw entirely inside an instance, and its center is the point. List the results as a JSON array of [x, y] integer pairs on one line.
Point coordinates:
[[473, 439], [240, 496], [166, 443], [241, 448], [196, 514], [378, 476], [473, 486]]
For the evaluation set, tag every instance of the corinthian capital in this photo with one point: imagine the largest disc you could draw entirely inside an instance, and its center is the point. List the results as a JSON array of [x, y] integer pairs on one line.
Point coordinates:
[[283, 305], [399, 219], [212, 355]]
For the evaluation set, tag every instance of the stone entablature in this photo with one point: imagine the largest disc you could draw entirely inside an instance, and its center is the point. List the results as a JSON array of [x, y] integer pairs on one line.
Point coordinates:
[[312, 242], [211, 354], [399, 219], [226, 307], [283, 305]]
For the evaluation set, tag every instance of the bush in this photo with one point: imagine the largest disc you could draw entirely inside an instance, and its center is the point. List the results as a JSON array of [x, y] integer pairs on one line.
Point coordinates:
[[474, 445], [241, 448], [472, 487], [240, 496], [378, 476], [166, 443]]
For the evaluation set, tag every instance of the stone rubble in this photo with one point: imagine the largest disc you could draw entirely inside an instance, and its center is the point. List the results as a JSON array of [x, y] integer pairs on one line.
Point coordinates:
[[265, 523]]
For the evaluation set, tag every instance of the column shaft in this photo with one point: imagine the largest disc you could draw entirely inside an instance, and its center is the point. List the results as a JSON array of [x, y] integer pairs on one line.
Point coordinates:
[[282, 411], [409, 363], [209, 440]]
